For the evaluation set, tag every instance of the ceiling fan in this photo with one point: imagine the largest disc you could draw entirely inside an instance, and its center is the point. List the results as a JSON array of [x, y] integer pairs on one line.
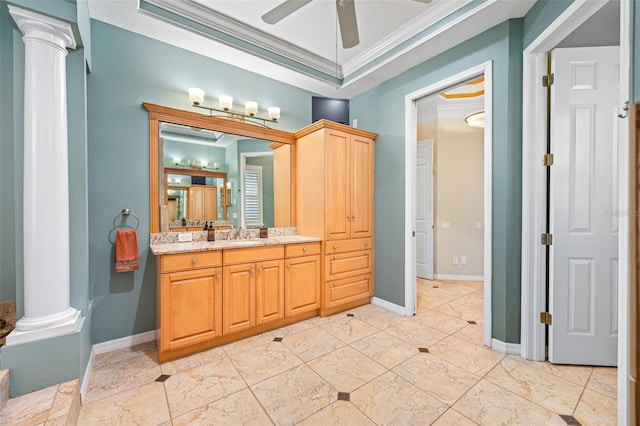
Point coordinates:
[[346, 11]]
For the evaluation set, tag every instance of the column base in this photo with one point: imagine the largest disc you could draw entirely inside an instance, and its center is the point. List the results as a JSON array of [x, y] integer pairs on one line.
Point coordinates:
[[68, 325]]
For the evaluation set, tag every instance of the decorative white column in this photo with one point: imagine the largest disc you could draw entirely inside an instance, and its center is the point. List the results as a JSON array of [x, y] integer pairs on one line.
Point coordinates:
[[47, 310]]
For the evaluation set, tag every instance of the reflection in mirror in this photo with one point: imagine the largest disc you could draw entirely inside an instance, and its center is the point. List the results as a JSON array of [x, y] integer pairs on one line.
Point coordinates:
[[219, 177]]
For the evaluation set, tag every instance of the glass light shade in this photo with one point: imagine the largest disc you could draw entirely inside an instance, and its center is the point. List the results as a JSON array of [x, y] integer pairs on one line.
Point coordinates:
[[251, 108], [475, 119], [196, 95], [176, 161], [216, 166], [274, 113], [226, 102], [204, 163]]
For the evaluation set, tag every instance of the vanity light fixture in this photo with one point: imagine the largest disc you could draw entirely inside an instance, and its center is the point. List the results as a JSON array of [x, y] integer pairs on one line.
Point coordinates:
[[475, 119], [225, 107], [216, 166], [176, 161]]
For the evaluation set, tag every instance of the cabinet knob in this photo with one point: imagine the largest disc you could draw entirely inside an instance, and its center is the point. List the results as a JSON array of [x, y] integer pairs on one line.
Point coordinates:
[[194, 260], [289, 266], [334, 284], [253, 271], [304, 249], [366, 244], [260, 270], [353, 217], [366, 253], [335, 246], [218, 276], [335, 257]]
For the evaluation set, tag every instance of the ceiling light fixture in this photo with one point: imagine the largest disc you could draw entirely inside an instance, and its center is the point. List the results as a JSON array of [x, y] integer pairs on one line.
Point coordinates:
[[475, 119], [196, 96]]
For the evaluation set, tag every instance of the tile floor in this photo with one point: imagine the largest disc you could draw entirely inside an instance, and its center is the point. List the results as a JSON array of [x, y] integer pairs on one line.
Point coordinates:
[[362, 367]]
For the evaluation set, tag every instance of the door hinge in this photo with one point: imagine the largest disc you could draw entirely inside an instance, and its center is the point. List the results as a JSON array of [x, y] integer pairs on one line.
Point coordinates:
[[545, 318], [413, 234], [547, 80], [548, 159], [546, 239]]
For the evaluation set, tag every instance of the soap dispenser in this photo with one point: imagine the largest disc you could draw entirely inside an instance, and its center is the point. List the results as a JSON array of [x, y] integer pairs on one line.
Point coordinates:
[[211, 232]]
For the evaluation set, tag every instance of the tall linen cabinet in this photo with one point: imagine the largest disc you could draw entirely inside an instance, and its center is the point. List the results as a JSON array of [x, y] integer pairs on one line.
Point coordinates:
[[334, 201]]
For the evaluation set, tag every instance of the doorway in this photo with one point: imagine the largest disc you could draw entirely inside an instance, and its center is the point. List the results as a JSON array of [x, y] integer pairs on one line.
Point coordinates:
[[411, 120]]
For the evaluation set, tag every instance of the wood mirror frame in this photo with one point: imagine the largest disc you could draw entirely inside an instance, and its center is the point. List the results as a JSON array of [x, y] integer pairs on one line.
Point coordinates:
[[159, 114]]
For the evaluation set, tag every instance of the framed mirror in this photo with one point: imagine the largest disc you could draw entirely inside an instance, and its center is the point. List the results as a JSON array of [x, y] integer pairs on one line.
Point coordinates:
[[205, 168]]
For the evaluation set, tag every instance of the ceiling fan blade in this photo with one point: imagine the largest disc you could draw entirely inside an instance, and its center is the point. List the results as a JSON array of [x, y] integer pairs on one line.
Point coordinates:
[[283, 10], [348, 23]]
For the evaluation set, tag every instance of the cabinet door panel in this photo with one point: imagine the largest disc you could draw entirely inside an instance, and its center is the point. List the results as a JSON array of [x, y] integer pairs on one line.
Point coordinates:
[[210, 200], [239, 296], [191, 307], [337, 184], [302, 285], [361, 187], [345, 264], [269, 291]]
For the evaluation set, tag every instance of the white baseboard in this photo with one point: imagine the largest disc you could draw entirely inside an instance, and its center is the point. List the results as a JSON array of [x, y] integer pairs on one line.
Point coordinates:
[[458, 277], [396, 309], [87, 376], [505, 348], [124, 342]]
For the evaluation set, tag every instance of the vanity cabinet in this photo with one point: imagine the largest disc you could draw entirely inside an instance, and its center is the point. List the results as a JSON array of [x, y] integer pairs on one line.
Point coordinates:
[[253, 289], [302, 278], [202, 203], [334, 201]]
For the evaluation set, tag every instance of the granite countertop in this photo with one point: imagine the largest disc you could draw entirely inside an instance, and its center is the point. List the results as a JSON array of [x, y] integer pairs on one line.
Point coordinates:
[[171, 248]]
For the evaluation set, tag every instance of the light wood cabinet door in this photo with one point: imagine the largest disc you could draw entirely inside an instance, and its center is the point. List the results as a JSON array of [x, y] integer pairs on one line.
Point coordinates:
[[361, 187], [191, 307], [337, 183], [202, 203], [239, 298], [210, 200], [269, 291], [302, 285], [339, 292]]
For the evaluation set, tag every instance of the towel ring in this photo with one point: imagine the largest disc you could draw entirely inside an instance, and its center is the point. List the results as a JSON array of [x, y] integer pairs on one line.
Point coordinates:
[[126, 212]]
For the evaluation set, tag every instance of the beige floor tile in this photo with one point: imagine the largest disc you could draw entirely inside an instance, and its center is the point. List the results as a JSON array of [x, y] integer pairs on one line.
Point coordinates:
[[472, 333], [461, 311], [28, 409], [605, 381], [346, 369], [144, 405], [438, 378], [338, 413], [292, 329], [415, 333], [349, 329], [64, 399], [391, 400], [312, 343], [378, 317], [452, 418], [294, 395], [199, 386], [187, 363], [264, 361], [473, 300], [596, 409], [127, 373], [385, 349], [147, 348], [430, 302], [573, 373], [488, 404], [476, 359], [553, 393], [441, 321], [240, 408], [248, 343], [448, 288], [476, 285]]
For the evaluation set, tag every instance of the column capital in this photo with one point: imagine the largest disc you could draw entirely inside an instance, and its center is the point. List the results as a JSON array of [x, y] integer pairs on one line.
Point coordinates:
[[43, 27]]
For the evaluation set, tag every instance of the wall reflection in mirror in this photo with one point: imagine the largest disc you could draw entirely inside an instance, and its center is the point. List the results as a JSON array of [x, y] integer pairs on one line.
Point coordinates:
[[224, 179]]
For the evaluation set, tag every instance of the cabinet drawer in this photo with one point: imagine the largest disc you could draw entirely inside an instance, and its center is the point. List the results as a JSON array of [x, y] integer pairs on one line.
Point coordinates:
[[345, 264], [252, 254], [341, 246], [338, 292], [301, 249], [190, 261]]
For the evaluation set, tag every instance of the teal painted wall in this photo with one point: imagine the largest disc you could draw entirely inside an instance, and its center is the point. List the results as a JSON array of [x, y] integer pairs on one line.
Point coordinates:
[[381, 110], [540, 16], [128, 69]]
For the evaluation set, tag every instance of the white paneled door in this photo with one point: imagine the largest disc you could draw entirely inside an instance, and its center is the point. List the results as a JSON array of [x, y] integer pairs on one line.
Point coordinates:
[[584, 217], [424, 209]]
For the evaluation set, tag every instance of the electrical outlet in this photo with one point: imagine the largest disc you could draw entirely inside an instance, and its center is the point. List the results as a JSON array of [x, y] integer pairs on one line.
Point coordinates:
[[355, 122], [455, 260], [185, 237], [463, 260], [234, 215]]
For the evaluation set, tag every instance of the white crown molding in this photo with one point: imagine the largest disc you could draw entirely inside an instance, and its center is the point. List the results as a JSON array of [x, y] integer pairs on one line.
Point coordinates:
[[28, 20], [243, 32], [439, 11]]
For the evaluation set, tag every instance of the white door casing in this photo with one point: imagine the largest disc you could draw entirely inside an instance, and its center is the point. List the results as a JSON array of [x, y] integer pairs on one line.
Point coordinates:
[[584, 221], [424, 209]]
